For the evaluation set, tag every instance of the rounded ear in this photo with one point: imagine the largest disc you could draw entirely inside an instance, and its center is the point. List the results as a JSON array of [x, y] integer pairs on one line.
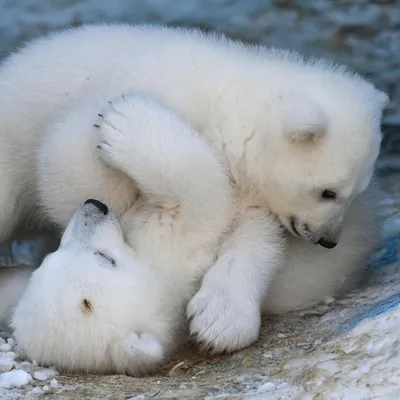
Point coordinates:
[[137, 353], [304, 119], [144, 343]]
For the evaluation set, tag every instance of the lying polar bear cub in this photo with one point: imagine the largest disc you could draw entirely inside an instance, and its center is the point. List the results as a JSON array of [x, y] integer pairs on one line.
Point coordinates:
[[93, 306], [99, 305]]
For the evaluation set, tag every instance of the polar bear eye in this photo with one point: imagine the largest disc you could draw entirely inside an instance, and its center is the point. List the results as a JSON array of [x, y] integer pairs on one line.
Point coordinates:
[[106, 257], [328, 194]]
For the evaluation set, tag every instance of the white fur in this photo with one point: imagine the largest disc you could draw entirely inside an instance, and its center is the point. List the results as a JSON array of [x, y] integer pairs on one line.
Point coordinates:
[[174, 228], [312, 272], [285, 129]]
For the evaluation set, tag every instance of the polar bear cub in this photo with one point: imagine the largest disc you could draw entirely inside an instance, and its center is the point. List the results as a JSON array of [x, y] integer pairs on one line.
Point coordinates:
[[92, 305], [298, 139], [100, 305]]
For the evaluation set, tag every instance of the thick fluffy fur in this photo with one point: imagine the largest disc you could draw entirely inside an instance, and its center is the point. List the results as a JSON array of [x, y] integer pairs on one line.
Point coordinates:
[[139, 291], [286, 130], [121, 310]]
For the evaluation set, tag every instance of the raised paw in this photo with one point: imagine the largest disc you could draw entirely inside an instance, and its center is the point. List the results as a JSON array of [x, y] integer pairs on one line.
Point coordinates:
[[122, 125], [220, 323], [116, 130]]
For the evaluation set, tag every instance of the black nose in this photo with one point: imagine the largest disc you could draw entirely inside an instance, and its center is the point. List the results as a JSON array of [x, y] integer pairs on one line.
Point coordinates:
[[327, 244], [101, 206]]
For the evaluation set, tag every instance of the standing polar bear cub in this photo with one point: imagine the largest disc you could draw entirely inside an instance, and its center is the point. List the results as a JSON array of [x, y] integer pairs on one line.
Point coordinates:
[[296, 140]]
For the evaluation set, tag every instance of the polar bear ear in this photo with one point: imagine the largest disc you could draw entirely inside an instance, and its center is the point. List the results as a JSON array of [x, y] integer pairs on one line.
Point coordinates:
[[145, 344], [305, 121], [137, 353]]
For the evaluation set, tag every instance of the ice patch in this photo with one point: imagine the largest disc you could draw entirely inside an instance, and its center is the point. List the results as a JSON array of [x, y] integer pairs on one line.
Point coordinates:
[[15, 378], [45, 374]]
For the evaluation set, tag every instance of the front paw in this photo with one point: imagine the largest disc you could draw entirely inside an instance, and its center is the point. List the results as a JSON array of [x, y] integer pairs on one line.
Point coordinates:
[[222, 322], [116, 128]]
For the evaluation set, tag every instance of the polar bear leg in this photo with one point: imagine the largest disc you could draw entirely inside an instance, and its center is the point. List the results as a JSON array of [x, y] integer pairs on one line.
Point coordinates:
[[225, 313], [172, 165]]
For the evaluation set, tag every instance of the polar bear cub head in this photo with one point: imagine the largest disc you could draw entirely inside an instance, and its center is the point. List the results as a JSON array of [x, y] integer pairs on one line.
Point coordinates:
[[321, 153], [91, 306]]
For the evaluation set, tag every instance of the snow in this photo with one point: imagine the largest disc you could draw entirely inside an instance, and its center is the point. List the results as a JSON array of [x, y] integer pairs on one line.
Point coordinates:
[[5, 347], [23, 379], [15, 378], [45, 374], [37, 390], [54, 383], [7, 361], [362, 364]]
